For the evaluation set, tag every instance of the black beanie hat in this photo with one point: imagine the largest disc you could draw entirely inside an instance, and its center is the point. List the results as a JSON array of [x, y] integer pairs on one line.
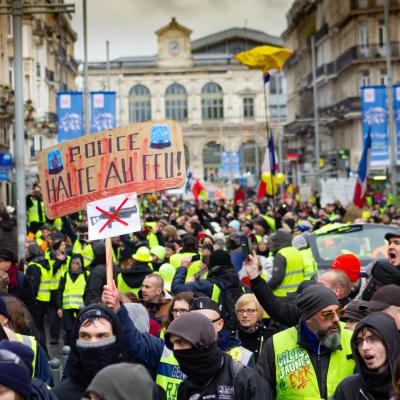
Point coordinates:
[[220, 258], [195, 328], [313, 299], [262, 222]]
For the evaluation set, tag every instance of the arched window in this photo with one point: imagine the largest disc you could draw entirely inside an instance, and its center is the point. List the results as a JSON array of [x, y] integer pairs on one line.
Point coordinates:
[[212, 101], [176, 102], [139, 104], [249, 156], [212, 160]]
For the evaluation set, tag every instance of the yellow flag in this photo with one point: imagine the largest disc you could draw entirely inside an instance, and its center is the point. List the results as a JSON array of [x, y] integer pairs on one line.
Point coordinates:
[[264, 57]]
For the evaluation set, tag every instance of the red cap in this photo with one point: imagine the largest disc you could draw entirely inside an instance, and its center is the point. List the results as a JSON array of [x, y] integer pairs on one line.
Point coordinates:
[[349, 264]]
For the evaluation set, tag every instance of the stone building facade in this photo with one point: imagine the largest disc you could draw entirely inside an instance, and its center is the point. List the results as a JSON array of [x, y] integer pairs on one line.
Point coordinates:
[[219, 103]]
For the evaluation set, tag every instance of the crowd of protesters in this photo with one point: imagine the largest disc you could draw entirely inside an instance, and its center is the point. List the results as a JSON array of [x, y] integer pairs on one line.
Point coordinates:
[[213, 300]]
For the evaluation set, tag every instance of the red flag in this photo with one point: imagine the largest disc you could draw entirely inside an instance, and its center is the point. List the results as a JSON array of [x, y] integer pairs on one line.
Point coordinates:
[[196, 190]]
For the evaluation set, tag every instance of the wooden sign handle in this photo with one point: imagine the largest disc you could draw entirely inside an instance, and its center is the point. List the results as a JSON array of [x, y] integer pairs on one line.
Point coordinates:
[[109, 264]]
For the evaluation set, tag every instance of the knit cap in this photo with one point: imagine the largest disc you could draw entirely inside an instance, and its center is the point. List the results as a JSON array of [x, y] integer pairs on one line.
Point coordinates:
[[313, 299], [349, 264]]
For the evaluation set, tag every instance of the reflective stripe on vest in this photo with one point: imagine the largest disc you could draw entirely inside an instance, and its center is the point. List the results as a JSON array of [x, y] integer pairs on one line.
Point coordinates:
[[124, 287], [30, 342], [294, 274], [239, 353], [169, 374], [295, 374], [73, 292], [310, 265], [45, 282]]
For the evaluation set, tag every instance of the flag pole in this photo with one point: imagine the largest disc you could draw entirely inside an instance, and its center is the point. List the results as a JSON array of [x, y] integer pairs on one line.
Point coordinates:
[[268, 137]]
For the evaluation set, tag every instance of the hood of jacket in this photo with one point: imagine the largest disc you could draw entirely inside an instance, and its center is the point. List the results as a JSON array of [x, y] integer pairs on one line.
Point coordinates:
[[77, 369], [280, 239], [386, 328], [135, 275]]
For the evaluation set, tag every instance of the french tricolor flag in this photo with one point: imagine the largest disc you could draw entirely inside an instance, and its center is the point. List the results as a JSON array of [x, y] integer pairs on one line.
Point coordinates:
[[361, 184]]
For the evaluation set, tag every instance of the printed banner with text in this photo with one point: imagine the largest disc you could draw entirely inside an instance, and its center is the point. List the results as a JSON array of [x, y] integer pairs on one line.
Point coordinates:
[[102, 111], [141, 158], [374, 117], [396, 97], [69, 115]]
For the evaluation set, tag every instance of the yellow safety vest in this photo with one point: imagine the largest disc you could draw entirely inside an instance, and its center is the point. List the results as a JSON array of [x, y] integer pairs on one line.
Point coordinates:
[[73, 292], [169, 374], [33, 211], [152, 239], [86, 252], [30, 342], [215, 293], [46, 276], [55, 278], [124, 287], [295, 374], [294, 271], [193, 268], [57, 224], [310, 265]]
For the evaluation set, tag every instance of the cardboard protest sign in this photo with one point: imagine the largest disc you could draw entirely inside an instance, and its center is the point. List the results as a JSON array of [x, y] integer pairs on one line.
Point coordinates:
[[141, 158], [113, 216]]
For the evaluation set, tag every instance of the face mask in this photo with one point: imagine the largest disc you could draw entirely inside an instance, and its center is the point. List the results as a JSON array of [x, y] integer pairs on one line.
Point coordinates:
[[200, 364], [94, 356]]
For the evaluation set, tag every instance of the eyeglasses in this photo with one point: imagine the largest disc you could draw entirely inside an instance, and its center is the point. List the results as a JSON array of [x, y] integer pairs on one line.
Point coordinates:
[[369, 340], [177, 311], [248, 311], [215, 320], [329, 315]]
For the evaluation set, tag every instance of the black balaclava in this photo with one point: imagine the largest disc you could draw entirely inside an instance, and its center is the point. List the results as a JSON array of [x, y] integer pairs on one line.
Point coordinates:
[[88, 358], [205, 358]]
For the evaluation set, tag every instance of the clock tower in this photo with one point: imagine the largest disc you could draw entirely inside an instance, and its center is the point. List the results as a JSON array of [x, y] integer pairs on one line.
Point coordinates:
[[174, 46]]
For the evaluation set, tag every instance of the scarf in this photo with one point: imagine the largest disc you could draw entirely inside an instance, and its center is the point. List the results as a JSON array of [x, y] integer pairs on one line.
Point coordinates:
[[12, 273], [379, 385]]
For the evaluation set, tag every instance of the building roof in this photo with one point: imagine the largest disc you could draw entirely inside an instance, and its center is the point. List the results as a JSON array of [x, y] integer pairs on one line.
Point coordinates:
[[243, 33], [173, 24]]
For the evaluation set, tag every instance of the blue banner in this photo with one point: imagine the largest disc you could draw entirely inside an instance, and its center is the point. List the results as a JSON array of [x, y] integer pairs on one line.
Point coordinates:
[[70, 115], [102, 111], [396, 97], [6, 160], [374, 118], [230, 164]]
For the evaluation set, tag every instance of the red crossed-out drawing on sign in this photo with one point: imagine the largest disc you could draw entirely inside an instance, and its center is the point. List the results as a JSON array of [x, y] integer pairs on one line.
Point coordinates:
[[113, 216]]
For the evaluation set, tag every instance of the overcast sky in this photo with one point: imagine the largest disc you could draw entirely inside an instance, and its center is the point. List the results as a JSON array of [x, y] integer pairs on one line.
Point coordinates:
[[129, 25]]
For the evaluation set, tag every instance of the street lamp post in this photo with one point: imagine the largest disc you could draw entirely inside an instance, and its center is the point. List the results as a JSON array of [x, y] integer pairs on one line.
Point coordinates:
[[389, 88]]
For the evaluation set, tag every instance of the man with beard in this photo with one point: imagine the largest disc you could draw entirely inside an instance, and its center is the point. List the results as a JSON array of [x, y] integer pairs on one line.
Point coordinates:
[[376, 347], [310, 360], [98, 341], [210, 372]]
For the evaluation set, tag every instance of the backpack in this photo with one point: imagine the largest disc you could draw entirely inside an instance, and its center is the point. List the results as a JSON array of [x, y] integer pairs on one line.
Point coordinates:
[[40, 391], [227, 301]]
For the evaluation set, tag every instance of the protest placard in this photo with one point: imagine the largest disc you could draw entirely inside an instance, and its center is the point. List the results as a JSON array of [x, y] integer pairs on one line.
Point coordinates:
[[141, 158], [113, 216]]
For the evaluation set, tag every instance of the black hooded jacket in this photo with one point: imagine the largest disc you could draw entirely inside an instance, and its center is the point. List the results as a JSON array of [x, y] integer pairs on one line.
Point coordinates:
[[281, 239], [368, 384], [135, 275], [74, 387], [32, 270]]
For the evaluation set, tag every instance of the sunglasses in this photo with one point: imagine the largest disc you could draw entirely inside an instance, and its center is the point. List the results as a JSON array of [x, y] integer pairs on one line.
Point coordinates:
[[329, 315]]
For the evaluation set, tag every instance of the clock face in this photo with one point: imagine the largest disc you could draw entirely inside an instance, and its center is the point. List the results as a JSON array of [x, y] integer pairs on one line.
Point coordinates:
[[174, 48]]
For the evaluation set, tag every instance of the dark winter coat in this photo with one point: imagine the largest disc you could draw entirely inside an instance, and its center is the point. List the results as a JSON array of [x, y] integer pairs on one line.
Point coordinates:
[[237, 382]]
